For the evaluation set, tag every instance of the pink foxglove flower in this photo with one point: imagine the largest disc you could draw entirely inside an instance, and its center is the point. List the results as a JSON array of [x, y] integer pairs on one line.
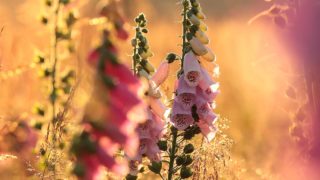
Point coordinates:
[[209, 87], [192, 69], [161, 74], [186, 94], [111, 124], [180, 117]]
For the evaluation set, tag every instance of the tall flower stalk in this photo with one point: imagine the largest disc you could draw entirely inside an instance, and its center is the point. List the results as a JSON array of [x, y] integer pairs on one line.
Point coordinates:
[[151, 131], [195, 92]]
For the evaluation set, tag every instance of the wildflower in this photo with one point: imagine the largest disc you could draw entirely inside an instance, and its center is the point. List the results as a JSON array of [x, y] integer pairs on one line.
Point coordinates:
[[192, 70], [111, 117], [180, 117], [161, 74]]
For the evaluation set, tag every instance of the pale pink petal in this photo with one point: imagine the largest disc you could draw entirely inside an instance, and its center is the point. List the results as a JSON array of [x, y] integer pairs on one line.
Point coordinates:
[[185, 94], [192, 69], [161, 74], [144, 129], [157, 107], [206, 80], [153, 151], [181, 118], [183, 87], [209, 131]]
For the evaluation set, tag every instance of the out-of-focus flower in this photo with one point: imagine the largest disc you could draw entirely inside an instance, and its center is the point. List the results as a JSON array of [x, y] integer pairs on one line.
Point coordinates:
[[111, 118], [19, 139]]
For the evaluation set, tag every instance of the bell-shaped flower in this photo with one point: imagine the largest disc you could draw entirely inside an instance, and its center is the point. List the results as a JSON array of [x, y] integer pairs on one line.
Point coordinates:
[[161, 74], [186, 94], [198, 47], [192, 69], [181, 118]]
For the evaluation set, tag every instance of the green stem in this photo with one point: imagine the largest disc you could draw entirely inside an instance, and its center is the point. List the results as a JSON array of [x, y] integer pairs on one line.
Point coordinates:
[[134, 66], [184, 29], [175, 131], [172, 154]]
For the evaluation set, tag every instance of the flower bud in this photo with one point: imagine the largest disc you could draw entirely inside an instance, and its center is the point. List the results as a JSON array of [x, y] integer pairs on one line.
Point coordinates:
[[209, 56], [188, 135], [200, 15], [146, 54], [188, 149], [131, 177], [163, 145], [203, 26], [203, 38], [194, 19], [155, 167], [146, 65], [198, 47], [180, 160], [161, 74], [171, 57], [188, 160], [133, 42], [185, 172]]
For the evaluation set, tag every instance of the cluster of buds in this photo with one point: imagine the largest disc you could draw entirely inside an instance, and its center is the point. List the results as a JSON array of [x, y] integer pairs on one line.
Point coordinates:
[[196, 28], [195, 89], [141, 47], [111, 118], [151, 131]]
